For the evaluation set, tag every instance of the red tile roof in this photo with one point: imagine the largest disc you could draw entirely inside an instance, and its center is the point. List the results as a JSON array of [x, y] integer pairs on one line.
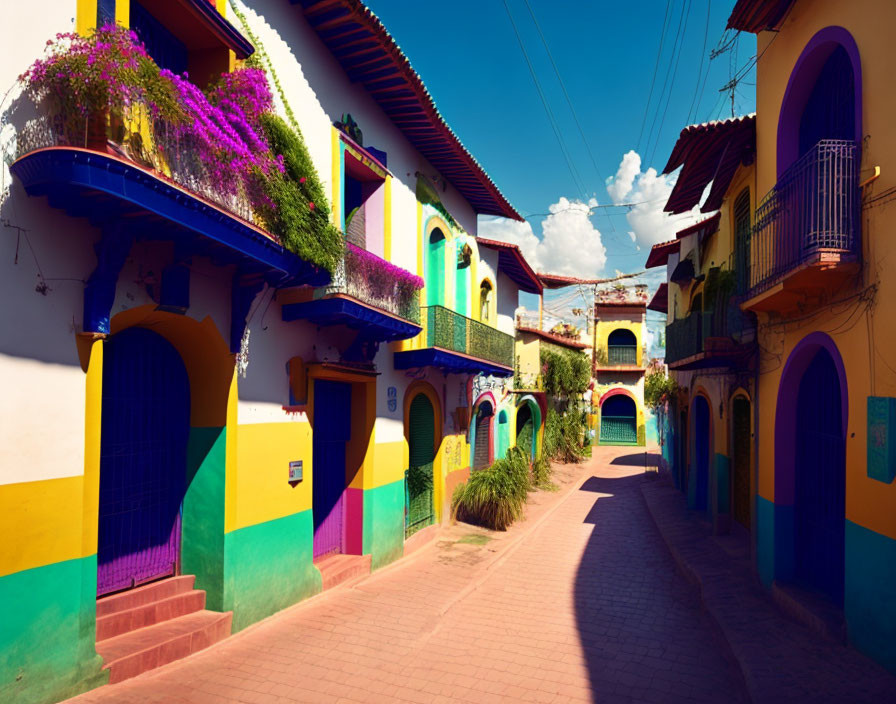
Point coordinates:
[[514, 264], [660, 300], [556, 339], [709, 152], [704, 228], [659, 253], [370, 56], [756, 15]]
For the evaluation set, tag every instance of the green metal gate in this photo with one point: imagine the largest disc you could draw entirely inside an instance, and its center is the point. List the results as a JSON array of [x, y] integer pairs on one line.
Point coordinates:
[[618, 429], [418, 478]]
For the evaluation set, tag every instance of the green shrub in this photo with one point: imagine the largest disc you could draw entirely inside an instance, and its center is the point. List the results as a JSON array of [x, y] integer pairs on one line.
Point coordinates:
[[565, 437], [658, 388], [494, 497], [541, 474], [300, 212]]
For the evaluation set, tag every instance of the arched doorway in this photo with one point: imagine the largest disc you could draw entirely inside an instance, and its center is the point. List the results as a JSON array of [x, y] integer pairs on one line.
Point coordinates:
[[419, 476], [618, 420], [820, 479], [829, 112], [823, 97], [525, 431], [622, 347], [741, 448], [701, 445], [482, 435], [143, 459], [502, 435], [435, 269]]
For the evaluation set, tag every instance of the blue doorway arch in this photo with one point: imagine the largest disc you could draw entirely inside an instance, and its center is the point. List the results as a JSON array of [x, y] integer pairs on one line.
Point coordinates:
[[143, 459]]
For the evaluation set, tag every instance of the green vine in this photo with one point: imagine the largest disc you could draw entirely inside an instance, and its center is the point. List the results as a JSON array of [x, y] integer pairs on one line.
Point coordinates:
[[268, 66]]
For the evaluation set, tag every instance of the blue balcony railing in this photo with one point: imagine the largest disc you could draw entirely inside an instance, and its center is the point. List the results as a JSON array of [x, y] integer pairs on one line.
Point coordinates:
[[813, 209]]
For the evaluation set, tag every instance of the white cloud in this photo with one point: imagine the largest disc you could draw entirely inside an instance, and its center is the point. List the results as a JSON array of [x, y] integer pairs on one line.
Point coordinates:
[[620, 185], [651, 191], [570, 245]]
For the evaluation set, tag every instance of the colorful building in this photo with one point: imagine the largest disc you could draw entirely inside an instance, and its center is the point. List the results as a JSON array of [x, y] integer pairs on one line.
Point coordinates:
[[619, 365], [204, 426], [710, 341], [818, 397]]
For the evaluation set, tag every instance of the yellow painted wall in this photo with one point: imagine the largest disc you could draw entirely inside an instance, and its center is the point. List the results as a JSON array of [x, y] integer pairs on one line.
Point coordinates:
[[264, 451], [527, 349], [865, 338], [605, 327]]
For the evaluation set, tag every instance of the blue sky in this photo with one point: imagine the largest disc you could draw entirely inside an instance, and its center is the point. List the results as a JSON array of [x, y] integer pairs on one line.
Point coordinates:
[[470, 59]]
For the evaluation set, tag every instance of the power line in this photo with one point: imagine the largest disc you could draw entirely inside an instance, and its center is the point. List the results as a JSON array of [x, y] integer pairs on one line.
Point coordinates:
[[656, 67], [572, 169], [694, 102], [686, 13], [572, 109]]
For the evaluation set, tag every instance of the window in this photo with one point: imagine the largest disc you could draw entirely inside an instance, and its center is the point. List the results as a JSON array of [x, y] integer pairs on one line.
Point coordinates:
[[363, 199], [485, 300], [183, 41]]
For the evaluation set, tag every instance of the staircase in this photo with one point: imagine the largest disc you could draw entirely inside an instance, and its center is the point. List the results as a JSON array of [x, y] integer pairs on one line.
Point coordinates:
[[335, 568], [153, 625]]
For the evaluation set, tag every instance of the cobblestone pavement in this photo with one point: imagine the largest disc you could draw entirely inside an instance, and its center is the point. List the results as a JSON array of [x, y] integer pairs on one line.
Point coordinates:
[[579, 602], [781, 660]]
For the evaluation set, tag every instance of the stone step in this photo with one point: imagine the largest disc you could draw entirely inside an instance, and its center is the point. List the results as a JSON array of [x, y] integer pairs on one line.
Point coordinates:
[[146, 594], [336, 569], [145, 649], [121, 622], [812, 610]]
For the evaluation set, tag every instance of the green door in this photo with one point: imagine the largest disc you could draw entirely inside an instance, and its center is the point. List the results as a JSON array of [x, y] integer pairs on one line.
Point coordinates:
[[419, 475], [435, 269]]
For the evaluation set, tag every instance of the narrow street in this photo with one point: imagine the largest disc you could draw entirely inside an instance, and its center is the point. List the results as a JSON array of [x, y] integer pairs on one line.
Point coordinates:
[[579, 602]]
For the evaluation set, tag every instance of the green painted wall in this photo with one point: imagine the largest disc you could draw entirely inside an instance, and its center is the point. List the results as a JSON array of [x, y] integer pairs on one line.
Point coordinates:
[[269, 567], [48, 632], [202, 549], [384, 523], [462, 290]]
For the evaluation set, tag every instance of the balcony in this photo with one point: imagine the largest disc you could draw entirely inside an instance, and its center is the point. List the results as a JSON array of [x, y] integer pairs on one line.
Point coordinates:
[[724, 337], [806, 240], [622, 355], [366, 293], [460, 345]]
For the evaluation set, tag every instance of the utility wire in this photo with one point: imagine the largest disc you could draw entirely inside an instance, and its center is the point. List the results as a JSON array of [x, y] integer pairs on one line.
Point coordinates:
[[572, 169], [694, 102], [656, 67], [686, 14], [572, 109]]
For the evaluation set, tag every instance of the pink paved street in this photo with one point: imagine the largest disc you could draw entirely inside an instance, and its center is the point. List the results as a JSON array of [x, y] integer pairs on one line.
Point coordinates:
[[579, 602]]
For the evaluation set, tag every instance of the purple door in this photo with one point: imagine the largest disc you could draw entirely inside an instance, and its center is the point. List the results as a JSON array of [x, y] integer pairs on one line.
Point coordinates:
[[332, 430], [143, 456]]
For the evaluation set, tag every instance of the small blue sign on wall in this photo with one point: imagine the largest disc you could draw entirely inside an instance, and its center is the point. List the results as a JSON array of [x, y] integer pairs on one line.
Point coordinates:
[[881, 443], [295, 471]]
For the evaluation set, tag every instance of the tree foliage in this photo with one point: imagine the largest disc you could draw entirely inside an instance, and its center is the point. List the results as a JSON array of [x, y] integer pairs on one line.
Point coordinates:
[[658, 388]]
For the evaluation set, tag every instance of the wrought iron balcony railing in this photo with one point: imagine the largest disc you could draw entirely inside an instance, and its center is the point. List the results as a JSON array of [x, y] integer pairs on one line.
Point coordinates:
[[622, 354], [813, 209], [454, 332], [136, 136], [684, 338], [374, 281]]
